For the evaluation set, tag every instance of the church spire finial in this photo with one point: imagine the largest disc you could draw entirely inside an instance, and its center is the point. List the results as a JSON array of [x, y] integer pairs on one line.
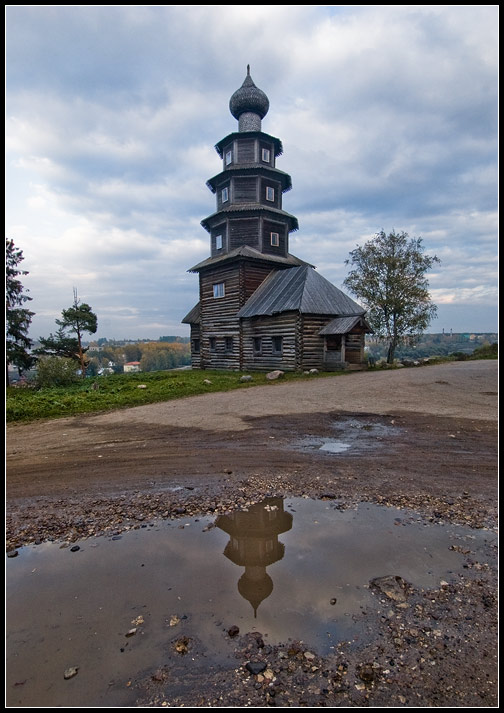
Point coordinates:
[[249, 105]]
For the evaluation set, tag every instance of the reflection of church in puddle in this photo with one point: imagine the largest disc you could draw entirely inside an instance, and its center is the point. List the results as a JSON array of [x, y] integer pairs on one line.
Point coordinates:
[[254, 545]]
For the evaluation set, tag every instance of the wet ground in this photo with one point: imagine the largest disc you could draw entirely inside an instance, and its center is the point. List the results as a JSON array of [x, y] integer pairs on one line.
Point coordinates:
[[312, 570], [127, 488]]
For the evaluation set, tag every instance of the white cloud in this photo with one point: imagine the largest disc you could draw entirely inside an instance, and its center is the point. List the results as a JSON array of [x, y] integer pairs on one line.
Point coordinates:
[[387, 115]]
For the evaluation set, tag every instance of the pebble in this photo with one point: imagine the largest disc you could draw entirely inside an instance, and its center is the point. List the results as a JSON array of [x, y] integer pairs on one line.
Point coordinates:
[[255, 667], [71, 672], [366, 673], [182, 645]]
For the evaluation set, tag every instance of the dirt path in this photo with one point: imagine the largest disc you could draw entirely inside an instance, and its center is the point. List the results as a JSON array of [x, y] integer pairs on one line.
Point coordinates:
[[253, 431], [424, 439]]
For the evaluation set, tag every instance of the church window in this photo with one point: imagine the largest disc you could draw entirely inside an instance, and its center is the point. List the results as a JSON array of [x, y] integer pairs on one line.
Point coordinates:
[[218, 290], [218, 242], [229, 157], [225, 195], [275, 239], [270, 193], [277, 345], [265, 155]]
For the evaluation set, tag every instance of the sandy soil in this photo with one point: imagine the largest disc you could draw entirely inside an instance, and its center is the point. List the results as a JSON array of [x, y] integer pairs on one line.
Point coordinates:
[[422, 438]]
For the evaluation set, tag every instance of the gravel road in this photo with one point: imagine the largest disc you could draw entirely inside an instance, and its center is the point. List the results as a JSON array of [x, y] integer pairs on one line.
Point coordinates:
[[423, 439]]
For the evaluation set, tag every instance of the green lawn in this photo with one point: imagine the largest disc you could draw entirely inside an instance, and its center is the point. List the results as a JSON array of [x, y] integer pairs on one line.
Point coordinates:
[[121, 391]]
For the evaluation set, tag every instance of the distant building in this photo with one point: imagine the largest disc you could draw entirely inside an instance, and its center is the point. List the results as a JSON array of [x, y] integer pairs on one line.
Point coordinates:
[[94, 347], [131, 366], [261, 307]]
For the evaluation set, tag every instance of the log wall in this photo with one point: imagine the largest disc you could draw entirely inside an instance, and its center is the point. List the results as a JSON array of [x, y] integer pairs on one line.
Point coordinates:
[[312, 344], [354, 346], [218, 318], [246, 151], [195, 354], [268, 227], [244, 231], [266, 329]]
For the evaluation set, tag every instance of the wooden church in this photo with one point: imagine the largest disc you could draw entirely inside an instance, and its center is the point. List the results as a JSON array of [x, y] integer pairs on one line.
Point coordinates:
[[261, 308]]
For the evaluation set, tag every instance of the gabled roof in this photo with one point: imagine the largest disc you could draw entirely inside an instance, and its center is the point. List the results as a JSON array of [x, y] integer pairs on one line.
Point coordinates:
[[301, 289], [245, 251], [343, 325]]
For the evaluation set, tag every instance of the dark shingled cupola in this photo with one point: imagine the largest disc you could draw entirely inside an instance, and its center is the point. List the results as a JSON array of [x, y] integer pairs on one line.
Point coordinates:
[[249, 105]]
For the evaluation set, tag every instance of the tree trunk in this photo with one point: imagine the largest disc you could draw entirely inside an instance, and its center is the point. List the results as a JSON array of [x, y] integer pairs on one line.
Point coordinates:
[[81, 356], [391, 352]]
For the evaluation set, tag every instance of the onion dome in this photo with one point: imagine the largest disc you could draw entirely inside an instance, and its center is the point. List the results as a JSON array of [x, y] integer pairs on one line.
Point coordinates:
[[249, 99]]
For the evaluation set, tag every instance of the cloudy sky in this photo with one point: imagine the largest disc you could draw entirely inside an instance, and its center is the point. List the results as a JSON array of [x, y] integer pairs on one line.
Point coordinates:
[[387, 115]]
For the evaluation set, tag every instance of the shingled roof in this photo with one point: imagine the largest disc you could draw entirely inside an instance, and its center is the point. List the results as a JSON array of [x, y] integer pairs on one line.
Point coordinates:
[[194, 316], [245, 251], [301, 289], [343, 325]]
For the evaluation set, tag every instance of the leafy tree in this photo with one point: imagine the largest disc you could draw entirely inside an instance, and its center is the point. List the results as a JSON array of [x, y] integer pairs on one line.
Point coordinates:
[[75, 320], [157, 360], [132, 352], [56, 371], [388, 277], [17, 317]]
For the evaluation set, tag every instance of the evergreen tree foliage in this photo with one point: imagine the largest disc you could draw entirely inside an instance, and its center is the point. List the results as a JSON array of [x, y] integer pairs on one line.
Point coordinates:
[[17, 317], [67, 342]]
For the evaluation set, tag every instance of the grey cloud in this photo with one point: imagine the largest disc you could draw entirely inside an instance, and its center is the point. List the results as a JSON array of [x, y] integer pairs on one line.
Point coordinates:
[[387, 116]]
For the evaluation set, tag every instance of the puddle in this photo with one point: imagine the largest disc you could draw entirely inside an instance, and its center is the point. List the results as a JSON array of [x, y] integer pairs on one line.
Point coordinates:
[[355, 436], [335, 446], [293, 568]]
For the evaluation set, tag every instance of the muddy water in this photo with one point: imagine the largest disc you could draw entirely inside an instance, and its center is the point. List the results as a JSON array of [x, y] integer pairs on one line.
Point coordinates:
[[352, 436], [288, 568]]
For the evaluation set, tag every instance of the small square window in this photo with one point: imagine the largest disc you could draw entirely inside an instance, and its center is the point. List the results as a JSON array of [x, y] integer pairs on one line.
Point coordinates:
[[218, 242], [225, 195], [277, 345], [275, 239], [218, 290], [257, 345], [270, 193], [229, 157], [265, 155]]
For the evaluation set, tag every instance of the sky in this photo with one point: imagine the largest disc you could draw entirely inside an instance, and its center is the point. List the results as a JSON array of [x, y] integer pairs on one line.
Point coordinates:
[[387, 116]]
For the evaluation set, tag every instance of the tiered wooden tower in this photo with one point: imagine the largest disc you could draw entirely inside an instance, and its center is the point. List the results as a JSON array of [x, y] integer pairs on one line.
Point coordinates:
[[249, 251]]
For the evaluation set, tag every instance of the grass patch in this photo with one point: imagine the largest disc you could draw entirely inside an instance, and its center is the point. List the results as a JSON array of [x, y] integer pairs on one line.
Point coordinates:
[[117, 391]]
